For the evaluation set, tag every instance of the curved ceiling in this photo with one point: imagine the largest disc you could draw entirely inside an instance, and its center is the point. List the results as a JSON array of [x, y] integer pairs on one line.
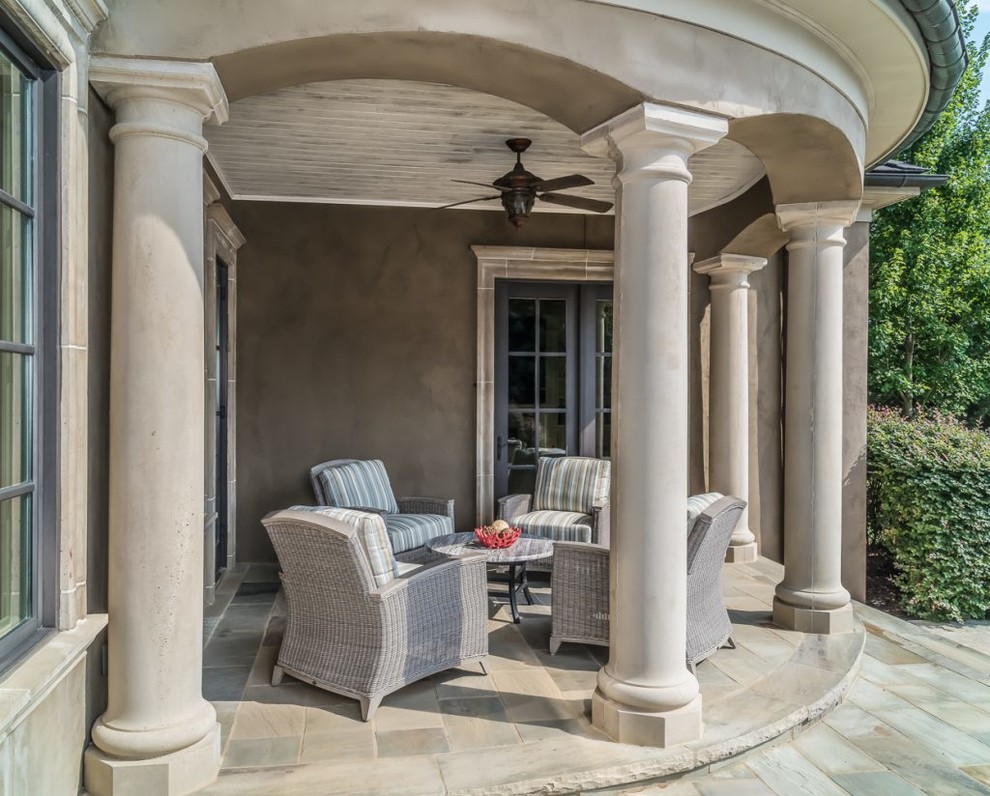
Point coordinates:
[[393, 142]]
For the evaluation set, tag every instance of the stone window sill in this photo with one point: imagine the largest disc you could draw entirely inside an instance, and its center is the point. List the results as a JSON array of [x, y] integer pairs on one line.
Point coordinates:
[[33, 677]]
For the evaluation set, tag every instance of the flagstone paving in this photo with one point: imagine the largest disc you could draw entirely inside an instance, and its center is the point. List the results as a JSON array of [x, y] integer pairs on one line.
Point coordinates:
[[915, 721]]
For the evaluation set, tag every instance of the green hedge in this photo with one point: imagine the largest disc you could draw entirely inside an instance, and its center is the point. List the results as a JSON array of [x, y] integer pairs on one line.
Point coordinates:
[[929, 505]]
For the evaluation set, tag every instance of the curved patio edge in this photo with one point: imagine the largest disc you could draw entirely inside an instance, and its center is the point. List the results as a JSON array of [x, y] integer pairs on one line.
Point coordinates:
[[838, 655]]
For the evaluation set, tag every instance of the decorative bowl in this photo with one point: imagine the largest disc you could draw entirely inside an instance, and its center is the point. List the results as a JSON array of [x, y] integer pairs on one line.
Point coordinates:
[[497, 538]]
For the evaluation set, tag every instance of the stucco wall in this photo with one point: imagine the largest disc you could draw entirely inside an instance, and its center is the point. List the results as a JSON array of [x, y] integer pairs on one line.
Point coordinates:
[[356, 338], [856, 306], [100, 240], [766, 471]]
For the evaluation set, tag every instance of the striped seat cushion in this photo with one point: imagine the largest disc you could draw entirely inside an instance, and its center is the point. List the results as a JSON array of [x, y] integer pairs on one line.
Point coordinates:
[[571, 483], [358, 485], [408, 531], [371, 534], [561, 526]]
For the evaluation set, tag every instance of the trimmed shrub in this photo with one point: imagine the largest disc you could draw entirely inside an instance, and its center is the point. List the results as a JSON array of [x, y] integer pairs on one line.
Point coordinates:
[[929, 505]]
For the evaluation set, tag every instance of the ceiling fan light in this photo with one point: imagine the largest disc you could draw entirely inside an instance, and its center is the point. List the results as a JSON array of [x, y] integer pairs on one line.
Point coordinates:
[[518, 204]]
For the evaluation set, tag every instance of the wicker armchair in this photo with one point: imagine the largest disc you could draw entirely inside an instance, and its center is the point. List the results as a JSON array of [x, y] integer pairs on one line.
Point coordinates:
[[569, 502], [356, 629], [581, 584], [364, 485]]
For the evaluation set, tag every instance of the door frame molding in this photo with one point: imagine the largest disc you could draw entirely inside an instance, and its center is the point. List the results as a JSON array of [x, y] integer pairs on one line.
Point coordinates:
[[221, 240], [515, 263]]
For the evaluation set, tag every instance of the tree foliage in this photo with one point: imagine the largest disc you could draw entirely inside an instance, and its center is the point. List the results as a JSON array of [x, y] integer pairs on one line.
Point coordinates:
[[930, 266]]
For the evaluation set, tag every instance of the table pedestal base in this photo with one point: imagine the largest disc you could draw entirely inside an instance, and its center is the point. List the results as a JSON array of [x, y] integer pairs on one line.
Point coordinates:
[[517, 581]]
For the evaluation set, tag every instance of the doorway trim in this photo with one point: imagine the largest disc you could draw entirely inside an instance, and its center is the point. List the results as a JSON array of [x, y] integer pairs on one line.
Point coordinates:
[[515, 263], [221, 239]]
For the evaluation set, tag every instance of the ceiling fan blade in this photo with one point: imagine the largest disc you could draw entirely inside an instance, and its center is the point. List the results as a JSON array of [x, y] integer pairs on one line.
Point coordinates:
[[482, 184], [562, 183], [469, 201], [579, 202]]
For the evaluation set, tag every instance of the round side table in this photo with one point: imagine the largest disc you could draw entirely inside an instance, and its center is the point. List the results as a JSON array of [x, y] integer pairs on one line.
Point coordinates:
[[525, 549]]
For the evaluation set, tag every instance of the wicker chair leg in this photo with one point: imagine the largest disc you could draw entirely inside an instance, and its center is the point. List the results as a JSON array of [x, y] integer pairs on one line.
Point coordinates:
[[554, 644], [277, 674], [368, 707], [729, 643]]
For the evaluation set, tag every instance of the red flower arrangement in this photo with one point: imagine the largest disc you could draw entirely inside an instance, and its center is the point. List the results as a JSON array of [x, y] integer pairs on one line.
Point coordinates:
[[497, 535]]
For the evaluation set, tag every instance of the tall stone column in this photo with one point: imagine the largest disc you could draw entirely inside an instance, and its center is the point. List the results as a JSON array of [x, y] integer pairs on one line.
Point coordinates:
[[646, 694], [728, 408], [811, 597], [158, 735]]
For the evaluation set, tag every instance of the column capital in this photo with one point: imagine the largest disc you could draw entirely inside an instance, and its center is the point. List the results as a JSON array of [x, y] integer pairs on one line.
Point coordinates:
[[159, 85], [640, 137], [837, 214], [727, 267]]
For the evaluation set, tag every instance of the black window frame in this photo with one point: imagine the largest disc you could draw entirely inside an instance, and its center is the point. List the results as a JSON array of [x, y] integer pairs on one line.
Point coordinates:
[[44, 210]]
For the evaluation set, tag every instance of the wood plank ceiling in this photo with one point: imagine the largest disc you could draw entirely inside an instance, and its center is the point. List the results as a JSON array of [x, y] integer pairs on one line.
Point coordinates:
[[402, 143]]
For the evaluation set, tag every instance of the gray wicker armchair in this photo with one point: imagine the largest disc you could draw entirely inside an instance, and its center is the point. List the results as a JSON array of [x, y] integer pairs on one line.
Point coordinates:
[[580, 585], [355, 628], [569, 501], [363, 484]]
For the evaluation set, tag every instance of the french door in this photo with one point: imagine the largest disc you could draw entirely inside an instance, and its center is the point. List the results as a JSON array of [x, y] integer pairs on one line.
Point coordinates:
[[553, 375], [220, 423]]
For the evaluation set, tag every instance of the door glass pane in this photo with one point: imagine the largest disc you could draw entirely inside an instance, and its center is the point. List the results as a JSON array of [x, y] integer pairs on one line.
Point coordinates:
[[522, 381], [603, 434], [522, 481], [603, 382], [522, 437], [603, 325], [15, 418], [553, 434], [15, 562], [15, 131], [553, 325], [15, 276], [522, 324], [553, 382]]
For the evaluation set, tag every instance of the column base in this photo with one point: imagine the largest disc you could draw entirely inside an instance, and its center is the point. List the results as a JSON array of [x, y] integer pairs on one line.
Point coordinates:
[[646, 728], [741, 553], [813, 620], [175, 774]]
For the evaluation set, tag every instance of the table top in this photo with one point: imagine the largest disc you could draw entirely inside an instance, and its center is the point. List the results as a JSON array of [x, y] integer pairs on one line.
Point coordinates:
[[525, 548]]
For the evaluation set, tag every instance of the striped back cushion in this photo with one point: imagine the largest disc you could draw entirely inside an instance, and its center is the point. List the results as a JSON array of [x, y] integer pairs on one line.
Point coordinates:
[[697, 504], [372, 536], [571, 483], [358, 485]]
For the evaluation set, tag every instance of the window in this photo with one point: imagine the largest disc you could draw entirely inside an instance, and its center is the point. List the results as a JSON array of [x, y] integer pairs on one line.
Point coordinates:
[[24, 93]]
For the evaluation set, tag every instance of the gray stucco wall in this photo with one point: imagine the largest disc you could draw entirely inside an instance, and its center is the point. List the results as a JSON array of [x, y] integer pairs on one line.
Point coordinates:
[[356, 338], [100, 248], [766, 471], [855, 339]]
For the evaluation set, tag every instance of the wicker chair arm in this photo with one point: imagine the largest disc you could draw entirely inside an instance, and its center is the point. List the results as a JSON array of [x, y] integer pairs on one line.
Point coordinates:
[[426, 505], [600, 524], [512, 506], [579, 549]]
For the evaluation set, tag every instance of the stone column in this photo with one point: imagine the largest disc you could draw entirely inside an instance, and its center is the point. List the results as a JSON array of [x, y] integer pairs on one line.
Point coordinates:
[[158, 735], [646, 694], [728, 404], [811, 597]]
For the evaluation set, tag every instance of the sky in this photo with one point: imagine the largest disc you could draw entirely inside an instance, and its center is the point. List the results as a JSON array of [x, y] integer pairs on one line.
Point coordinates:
[[981, 30]]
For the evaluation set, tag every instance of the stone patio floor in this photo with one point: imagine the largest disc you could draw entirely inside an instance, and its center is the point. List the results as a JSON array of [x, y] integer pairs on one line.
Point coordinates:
[[915, 721]]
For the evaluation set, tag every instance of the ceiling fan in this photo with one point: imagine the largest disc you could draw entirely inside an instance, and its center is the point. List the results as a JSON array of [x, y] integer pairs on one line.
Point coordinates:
[[519, 189]]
